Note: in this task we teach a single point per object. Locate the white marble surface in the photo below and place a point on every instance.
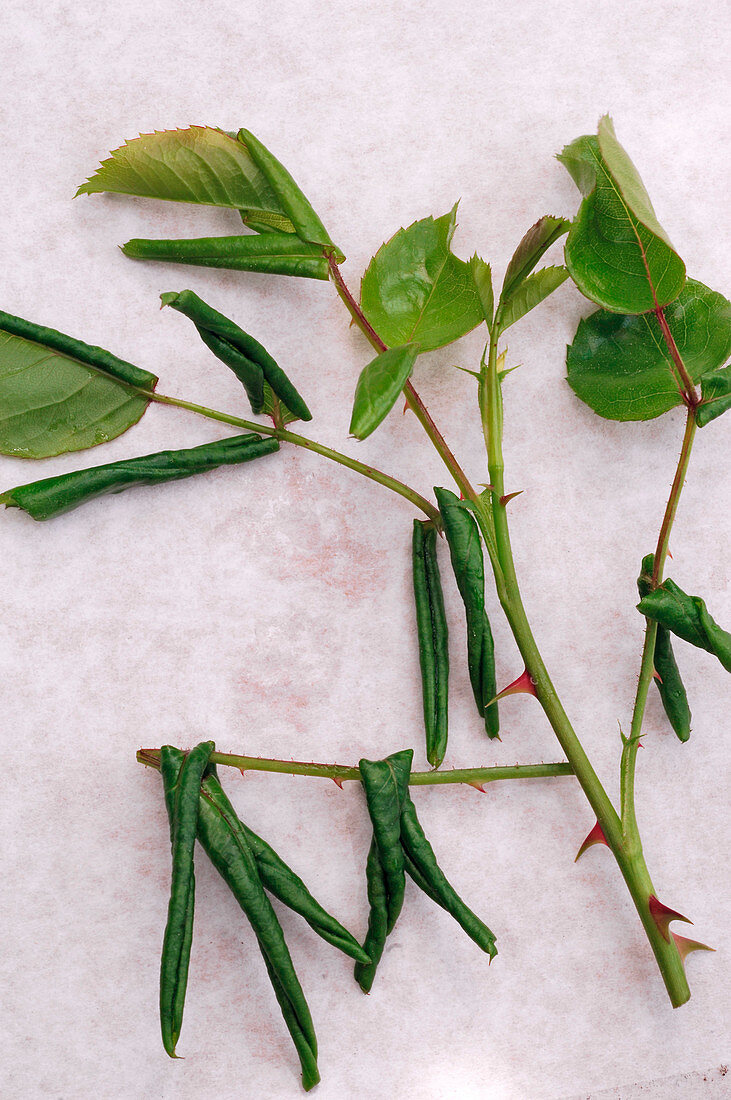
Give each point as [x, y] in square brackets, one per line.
[269, 607]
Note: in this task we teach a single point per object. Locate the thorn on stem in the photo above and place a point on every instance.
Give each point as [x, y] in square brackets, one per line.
[338, 782]
[685, 946]
[243, 773]
[523, 685]
[504, 501]
[478, 786]
[596, 836]
[657, 675]
[662, 916]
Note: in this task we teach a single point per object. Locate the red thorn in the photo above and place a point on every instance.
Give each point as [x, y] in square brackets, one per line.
[672, 559]
[337, 782]
[508, 497]
[478, 786]
[685, 946]
[461, 495]
[243, 773]
[406, 406]
[596, 836]
[662, 916]
[524, 684]
[657, 675]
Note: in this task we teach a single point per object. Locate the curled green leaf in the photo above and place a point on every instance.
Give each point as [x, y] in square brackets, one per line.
[279, 879]
[229, 851]
[297, 207]
[181, 781]
[433, 635]
[620, 366]
[385, 783]
[416, 290]
[617, 252]
[430, 877]
[482, 276]
[246, 357]
[270, 254]
[687, 616]
[54, 495]
[668, 679]
[465, 550]
[379, 385]
[58, 394]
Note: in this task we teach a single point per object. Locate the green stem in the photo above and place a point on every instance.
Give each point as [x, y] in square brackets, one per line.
[632, 865]
[285, 436]
[341, 773]
[647, 666]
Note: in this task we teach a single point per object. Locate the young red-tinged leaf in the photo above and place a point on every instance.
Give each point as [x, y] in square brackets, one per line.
[58, 394]
[539, 238]
[482, 275]
[617, 252]
[416, 290]
[621, 368]
[201, 164]
[379, 385]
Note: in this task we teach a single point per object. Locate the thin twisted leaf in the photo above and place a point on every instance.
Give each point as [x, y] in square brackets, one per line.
[465, 550]
[182, 782]
[297, 207]
[617, 252]
[621, 368]
[58, 394]
[233, 859]
[421, 856]
[688, 617]
[433, 635]
[669, 685]
[416, 290]
[279, 879]
[716, 396]
[54, 495]
[270, 254]
[379, 385]
[530, 293]
[246, 357]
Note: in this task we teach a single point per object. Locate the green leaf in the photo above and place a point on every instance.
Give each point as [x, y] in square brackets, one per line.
[687, 616]
[530, 293]
[416, 290]
[668, 680]
[58, 394]
[201, 165]
[482, 275]
[539, 238]
[715, 395]
[617, 252]
[465, 549]
[433, 637]
[54, 495]
[380, 383]
[297, 207]
[620, 365]
[270, 254]
[247, 358]
[181, 780]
